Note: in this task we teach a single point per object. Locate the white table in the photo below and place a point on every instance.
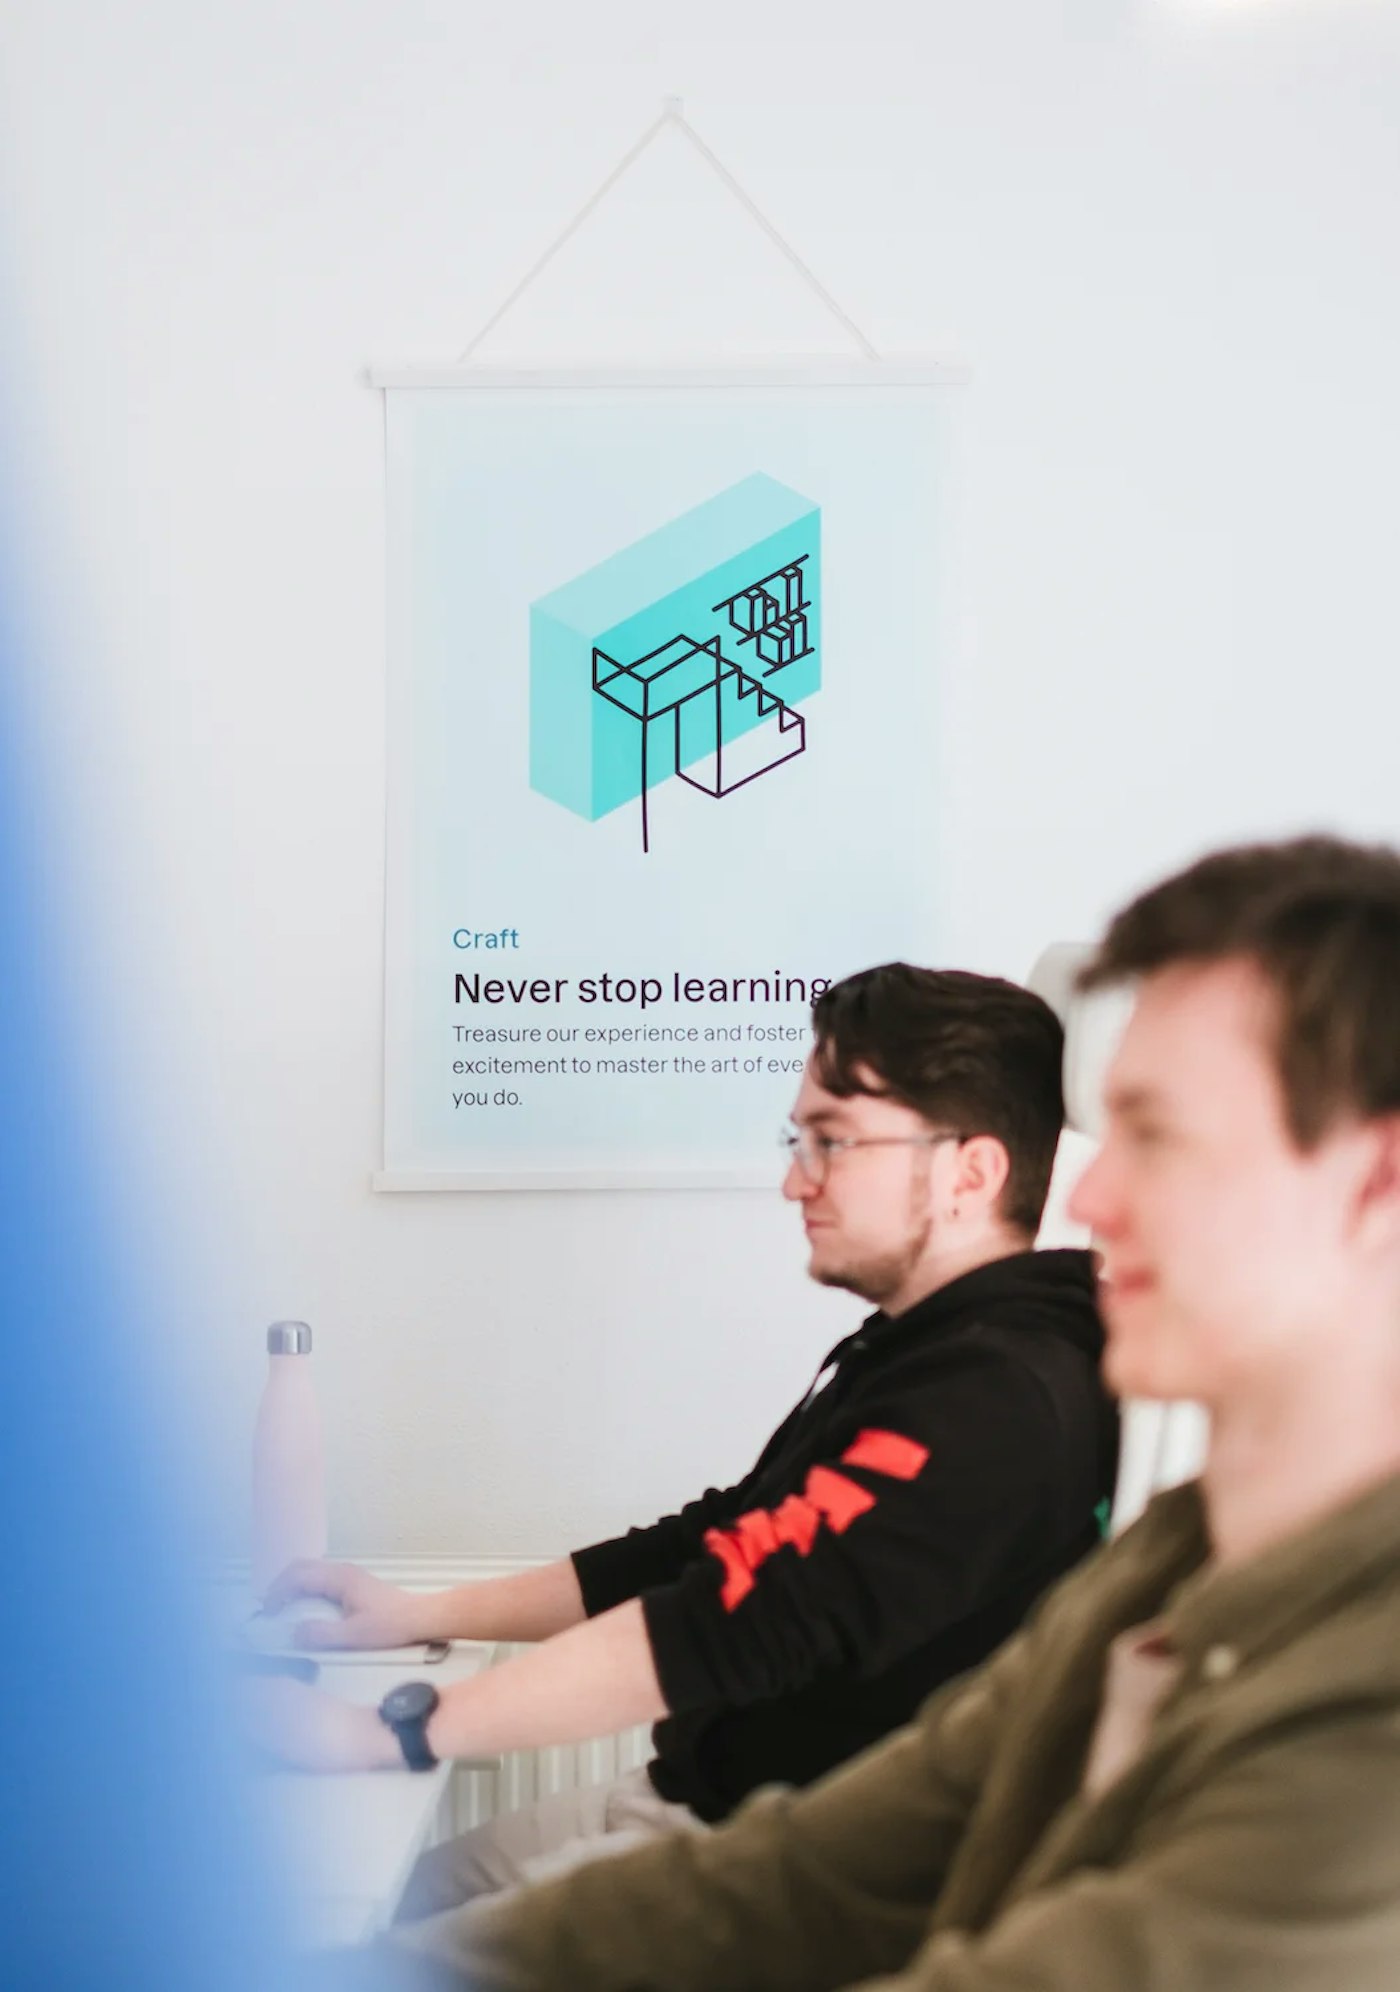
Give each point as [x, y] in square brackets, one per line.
[343, 1846]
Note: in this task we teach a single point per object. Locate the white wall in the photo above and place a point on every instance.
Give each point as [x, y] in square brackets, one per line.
[1163, 233]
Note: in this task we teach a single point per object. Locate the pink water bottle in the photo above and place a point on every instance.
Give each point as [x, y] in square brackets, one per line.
[289, 1473]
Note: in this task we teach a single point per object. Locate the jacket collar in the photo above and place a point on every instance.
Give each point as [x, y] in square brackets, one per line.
[1251, 1608]
[970, 1290]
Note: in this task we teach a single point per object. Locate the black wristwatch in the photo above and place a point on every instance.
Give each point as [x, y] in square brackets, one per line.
[406, 1710]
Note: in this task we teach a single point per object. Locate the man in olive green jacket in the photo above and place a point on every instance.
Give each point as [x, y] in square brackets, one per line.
[1184, 1774]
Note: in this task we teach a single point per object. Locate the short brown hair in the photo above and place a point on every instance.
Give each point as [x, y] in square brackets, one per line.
[965, 1051]
[1320, 917]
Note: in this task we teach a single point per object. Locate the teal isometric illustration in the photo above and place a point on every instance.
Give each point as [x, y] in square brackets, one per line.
[682, 656]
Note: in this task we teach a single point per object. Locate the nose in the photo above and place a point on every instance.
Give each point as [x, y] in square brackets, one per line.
[797, 1184]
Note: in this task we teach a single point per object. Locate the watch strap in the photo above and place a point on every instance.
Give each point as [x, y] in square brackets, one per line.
[412, 1734]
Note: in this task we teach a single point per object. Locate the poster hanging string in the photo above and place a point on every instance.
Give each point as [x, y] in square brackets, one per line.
[673, 114]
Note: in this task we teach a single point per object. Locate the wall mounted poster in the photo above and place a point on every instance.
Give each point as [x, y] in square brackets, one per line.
[663, 665]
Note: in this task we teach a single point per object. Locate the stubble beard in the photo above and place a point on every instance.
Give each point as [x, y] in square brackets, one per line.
[880, 1276]
[872, 1279]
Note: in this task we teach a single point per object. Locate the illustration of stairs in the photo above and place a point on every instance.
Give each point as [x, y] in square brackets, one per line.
[718, 742]
[732, 762]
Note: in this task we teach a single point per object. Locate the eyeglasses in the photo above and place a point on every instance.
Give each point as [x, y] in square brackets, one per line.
[812, 1151]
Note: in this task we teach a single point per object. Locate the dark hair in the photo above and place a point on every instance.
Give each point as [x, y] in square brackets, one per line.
[1320, 918]
[964, 1051]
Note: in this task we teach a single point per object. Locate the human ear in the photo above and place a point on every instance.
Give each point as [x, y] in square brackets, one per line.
[983, 1167]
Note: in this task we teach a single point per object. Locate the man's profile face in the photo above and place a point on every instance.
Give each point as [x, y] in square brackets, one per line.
[872, 1215]
[1225, 1247]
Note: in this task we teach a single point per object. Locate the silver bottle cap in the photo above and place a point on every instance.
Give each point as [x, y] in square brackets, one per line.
[289, 1338]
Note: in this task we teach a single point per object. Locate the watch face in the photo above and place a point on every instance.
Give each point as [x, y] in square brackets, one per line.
[409, 1702]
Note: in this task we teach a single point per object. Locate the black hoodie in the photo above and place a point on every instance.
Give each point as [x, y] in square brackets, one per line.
[896, 1529]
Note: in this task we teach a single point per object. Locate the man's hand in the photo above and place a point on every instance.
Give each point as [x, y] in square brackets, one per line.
[300, 1726]
[375, 1613]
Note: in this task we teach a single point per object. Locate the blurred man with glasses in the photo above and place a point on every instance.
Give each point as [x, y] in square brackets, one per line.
[945, 1466]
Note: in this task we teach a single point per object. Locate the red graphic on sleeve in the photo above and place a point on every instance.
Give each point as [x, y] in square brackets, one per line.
[827, 1496]
[886, 1452]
